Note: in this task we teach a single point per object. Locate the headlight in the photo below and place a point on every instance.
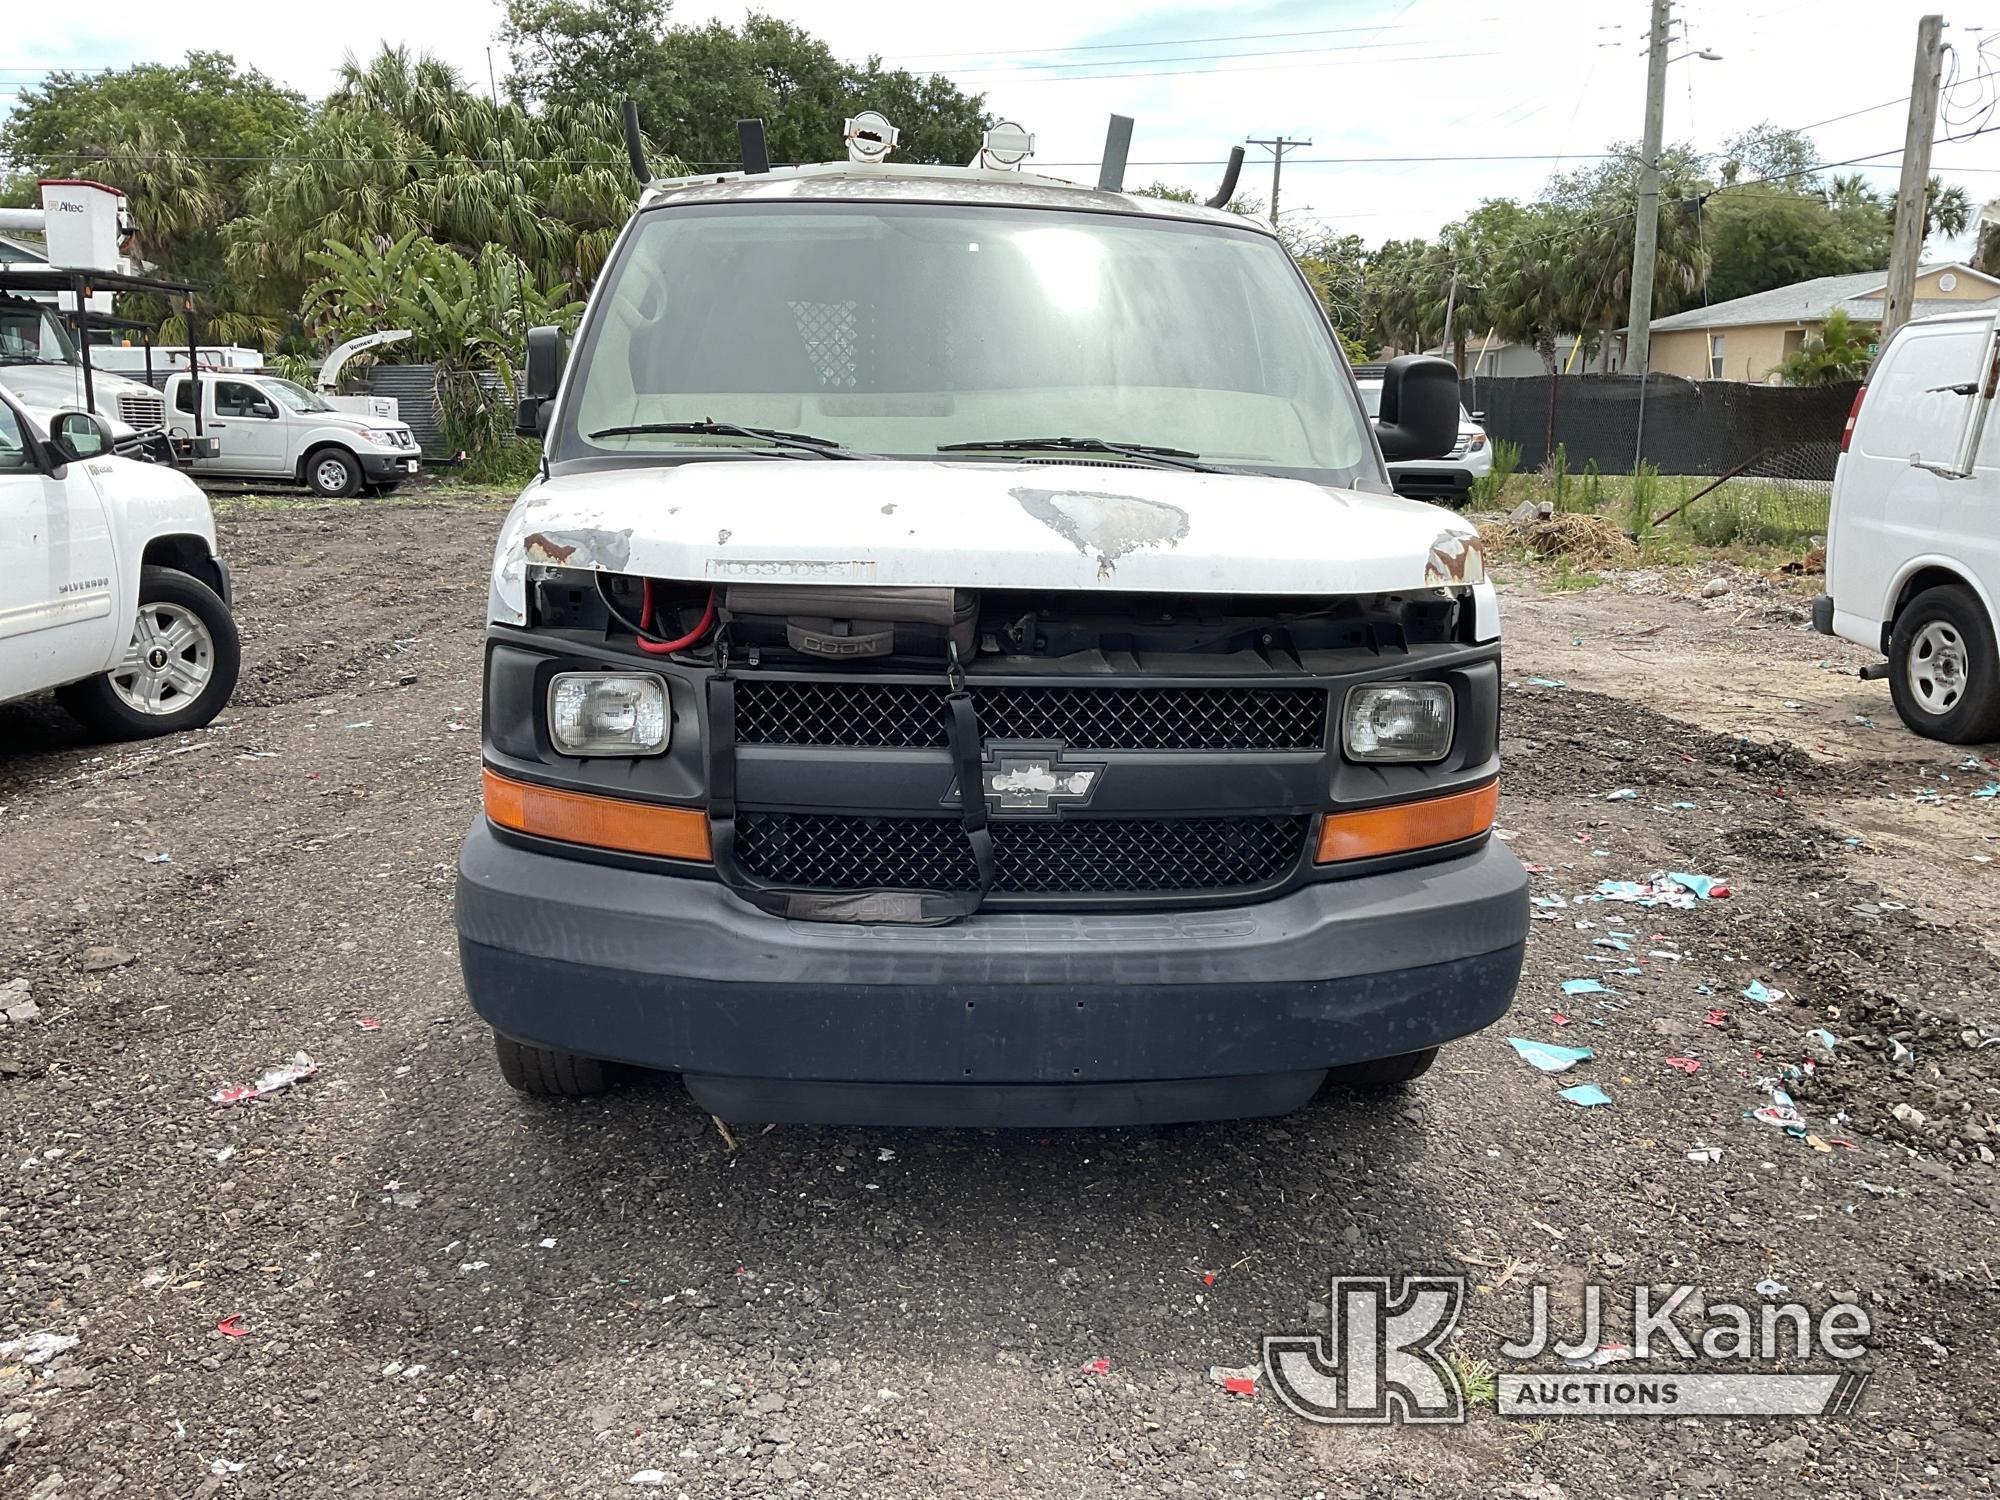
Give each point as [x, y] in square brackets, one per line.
[608, 713]
[1409, 721]
[1478, 441]
[382, 437]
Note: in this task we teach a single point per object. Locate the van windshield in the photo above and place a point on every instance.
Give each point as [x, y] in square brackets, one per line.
[896, 329]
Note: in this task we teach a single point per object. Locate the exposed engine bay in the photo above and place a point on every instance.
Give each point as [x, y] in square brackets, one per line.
[805, 625]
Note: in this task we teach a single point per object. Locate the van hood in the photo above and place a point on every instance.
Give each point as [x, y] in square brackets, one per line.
[1058, 526]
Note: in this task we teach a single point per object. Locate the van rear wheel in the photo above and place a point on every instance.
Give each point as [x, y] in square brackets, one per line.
[1944, 670]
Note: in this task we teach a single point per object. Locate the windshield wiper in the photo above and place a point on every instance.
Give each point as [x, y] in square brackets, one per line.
[1176, 458]
[799, 442]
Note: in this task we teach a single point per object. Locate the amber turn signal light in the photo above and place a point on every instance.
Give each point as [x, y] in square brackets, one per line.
[600, 822]
[1404, 826]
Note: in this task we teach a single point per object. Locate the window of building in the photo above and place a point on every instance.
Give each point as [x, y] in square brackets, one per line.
[1715, 356]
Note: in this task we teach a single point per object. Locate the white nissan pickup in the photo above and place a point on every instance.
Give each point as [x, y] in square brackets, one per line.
[266, 427]
[962, 661]
[111, 590]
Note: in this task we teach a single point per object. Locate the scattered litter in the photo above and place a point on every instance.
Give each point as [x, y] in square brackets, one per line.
[1901, 1056]
[1991, 789]
[1548, 1057]
[885, 1154]
[369, 1023]
[1757, 990]
[1910, 1115]
[1683, 806]
[220, 1153]
[221, 1466]
[362, 724]
[1717, 1018]
[37, 1348]
[1098, 1366]
[1705, 1153]
[549, 1243]
[1663, 888]
[1586, 987]
[1239, 1380]
[300, 1068]
[163, 859]
[1769, 1287]
[1783, 1114]
[1586, 1096]
[1685, 1064]
[232, 1327]
[1611, 942]
[1609, 1354]
[649, 1477]
[1823, 1042]
[1547, 682]
[1623, 794]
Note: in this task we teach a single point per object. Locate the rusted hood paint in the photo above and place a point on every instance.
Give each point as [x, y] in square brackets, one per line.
[985, 526]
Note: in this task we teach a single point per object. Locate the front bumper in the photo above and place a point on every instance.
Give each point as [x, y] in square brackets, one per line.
[390, 468]
[1003, 1018]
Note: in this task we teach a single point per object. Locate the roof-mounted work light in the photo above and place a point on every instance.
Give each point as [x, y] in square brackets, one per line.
[870, 136]
[1005, 146]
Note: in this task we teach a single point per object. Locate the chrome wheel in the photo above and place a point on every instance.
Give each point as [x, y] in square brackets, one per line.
[1937, 666]
[331, 475]
[169, 662]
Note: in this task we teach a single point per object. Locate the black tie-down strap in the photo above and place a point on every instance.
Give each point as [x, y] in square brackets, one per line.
[911, 907]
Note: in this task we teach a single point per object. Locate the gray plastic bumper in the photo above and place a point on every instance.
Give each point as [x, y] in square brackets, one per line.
[678, 974]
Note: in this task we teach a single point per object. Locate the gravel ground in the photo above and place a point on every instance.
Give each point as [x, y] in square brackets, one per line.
[442, 1289]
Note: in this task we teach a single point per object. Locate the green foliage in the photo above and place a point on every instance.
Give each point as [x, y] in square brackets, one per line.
[467, 315]
[187, 142]
[1756, 513]
[1766, 235]
[693, 83]
[1838, 353]
[1643, 499]
[1590, 490]
[1488, 487]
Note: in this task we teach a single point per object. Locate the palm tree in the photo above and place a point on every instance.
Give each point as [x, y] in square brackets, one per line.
[1533, 292]
[1851, 190]
[1947, 210]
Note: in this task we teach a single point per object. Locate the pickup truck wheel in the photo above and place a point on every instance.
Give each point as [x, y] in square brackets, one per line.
[1383, 1072]
[179, 667]
[1944, 672]
[547, 1072]
[333, 473]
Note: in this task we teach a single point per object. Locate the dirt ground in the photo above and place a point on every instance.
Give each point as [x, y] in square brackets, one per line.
[442, 1289]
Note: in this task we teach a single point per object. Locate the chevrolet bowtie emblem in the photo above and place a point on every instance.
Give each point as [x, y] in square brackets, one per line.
[1037, 778]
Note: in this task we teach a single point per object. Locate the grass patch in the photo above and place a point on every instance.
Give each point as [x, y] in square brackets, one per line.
[1476, 1377]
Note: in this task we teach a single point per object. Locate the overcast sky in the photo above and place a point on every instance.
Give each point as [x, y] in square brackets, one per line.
[1555, 81]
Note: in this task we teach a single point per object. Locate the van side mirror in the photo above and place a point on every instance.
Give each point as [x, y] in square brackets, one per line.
[539, 382]
[77, 435]
[1419, 412]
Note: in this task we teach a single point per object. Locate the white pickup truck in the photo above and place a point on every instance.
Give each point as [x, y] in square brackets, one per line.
[111, 591]
[267, 427]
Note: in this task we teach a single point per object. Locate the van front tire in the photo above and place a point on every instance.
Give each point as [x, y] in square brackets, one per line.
[1944, 670]
[547, 1072]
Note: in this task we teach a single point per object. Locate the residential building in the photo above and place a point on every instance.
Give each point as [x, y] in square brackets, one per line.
[1749, 337]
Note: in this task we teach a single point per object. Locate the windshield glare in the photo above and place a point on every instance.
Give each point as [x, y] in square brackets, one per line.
[893, 329]
[31, 333]
[297, 397]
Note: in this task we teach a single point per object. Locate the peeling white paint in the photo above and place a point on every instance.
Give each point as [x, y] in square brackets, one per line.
[968, 525]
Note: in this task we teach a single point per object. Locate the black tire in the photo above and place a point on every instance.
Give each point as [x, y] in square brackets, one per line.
[388, 489]
[546, 1072]
[1944, 672]
[1383, 1072]
[322, 464]
[96, 701]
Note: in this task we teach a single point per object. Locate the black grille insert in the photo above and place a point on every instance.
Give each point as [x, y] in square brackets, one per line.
[824, 851]
[891, 715]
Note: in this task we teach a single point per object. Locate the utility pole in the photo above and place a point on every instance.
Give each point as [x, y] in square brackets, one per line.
[1450, 307]
[1908, 246]
[1277, 146]
[1646, 231]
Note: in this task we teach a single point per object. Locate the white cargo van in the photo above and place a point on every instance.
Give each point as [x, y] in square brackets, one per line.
[1913, 541]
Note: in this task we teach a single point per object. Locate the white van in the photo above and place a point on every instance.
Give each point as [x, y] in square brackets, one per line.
[1913, 541]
